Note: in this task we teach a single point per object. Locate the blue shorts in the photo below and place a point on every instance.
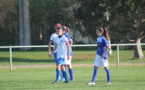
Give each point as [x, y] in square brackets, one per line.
[60, 61]
[55, 56]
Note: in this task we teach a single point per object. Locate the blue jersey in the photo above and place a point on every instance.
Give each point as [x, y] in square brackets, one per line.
[69, 38]
[102, 44]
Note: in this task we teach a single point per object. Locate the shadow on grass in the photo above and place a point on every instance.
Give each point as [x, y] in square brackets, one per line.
[4, 59]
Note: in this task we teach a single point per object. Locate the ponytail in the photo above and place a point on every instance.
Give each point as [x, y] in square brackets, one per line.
[105, 33]
[66, 29]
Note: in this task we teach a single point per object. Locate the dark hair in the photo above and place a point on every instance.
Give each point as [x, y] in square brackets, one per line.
[105, 32]
[58, 28]
[63, 28]
[66, 29]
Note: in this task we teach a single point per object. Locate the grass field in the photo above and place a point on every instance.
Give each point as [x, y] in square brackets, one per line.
[127, 77]
[130, 77]
[79, 57]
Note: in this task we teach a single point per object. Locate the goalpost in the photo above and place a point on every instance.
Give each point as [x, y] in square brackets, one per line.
[78, 45]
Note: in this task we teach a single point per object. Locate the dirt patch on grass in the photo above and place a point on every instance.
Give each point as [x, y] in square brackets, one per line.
[74, 65]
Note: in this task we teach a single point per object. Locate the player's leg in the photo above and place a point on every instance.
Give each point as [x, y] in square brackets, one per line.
[106, 68]
[69, 66]
[95, 73]
[71, 71]
[58, 71]
[64, 74]
[63, 63]
[55, 59]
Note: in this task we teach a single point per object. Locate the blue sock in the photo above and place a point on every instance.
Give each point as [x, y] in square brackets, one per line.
[62, 77]
[95, 74]
[65, 75]
[108, 74]
[58, 72]
[71, 72]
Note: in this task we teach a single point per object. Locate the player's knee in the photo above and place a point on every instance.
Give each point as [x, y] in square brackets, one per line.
[63, 68]
[106, 68]
[96, 67]
[69, 66]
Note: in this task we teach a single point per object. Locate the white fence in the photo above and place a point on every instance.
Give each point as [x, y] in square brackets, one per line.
[80, 45]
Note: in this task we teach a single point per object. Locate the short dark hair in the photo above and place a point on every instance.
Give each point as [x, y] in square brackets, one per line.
[58, 28]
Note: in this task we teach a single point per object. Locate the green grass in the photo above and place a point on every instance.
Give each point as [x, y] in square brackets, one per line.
[79, 57]
[125, 78]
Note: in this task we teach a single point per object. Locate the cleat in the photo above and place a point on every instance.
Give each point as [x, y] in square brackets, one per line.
[66, 82]
[90, 83]
[71, 79]
[108, 83]
[62, 79]
[56, 82]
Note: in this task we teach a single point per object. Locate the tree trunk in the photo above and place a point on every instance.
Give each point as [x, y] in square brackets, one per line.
[25, 35]
[21, 23]
[138, 50]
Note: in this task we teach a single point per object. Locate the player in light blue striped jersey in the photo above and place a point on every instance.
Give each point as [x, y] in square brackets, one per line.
[61, 46]
[101, 55]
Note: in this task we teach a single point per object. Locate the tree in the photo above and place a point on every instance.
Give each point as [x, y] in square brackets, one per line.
[90, 15]
[25, 36]
[8, 22]
[126, 19]
[44, 14]
[128, 16]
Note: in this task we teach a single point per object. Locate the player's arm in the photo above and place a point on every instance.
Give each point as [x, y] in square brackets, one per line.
[68, 50]
[55, 46]
[70, 42]
[49, 47]
[107, 48]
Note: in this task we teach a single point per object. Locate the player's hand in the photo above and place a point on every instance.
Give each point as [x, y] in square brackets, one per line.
[102, 56]
[49, 54]
[68, 57]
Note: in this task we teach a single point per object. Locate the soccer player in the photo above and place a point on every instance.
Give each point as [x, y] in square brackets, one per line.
[53, 36]
[101, 55]
[61, 46]
[68, 62]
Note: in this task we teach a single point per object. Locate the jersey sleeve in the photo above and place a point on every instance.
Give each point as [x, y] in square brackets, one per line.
[66, 40]
[52, 38]
[105, 42]
[68, 37]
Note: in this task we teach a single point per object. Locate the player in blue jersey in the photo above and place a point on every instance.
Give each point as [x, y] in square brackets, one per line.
[68, 62]
[61, 47]
[101, 55]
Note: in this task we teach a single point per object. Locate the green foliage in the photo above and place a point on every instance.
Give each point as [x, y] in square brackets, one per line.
[8, 21]
[126, 18]
[89, 15]
[44, 15]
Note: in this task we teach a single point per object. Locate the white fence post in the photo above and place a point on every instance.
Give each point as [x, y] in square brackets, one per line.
[118, 56]
[10, 58]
